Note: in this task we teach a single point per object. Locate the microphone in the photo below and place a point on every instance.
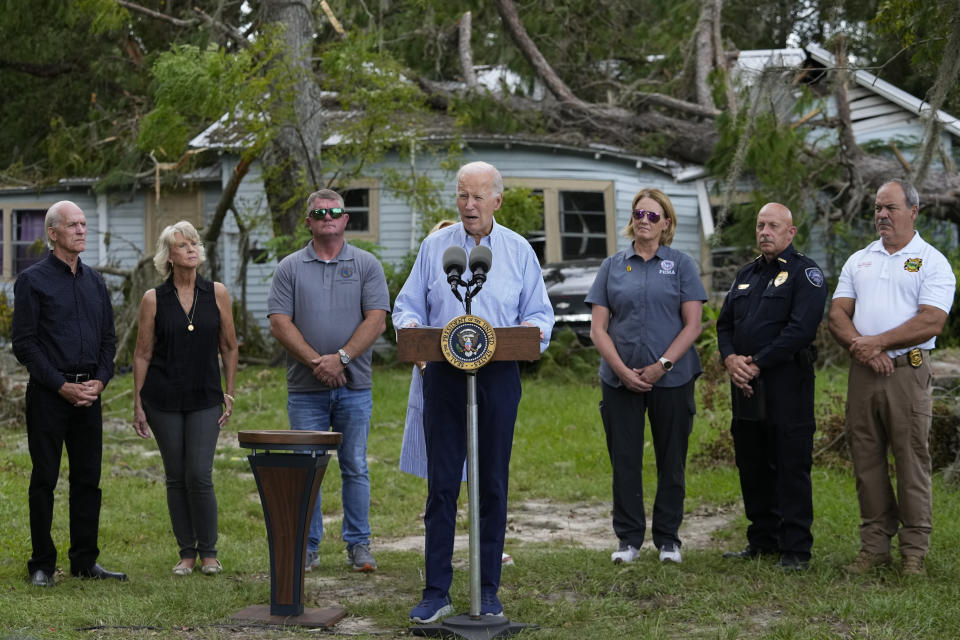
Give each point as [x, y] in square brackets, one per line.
[454, 264]
[480, 260]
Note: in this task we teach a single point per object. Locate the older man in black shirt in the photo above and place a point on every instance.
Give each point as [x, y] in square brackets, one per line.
[63, 333]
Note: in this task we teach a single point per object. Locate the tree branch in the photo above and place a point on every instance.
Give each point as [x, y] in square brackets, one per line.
[225, 29]
[514, 27]
[156, 14]
[48, 70]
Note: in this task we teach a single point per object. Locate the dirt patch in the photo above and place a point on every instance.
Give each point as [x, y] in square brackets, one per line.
[581, 525]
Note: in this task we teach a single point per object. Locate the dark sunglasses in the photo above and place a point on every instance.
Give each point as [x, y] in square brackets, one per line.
[318, 214]
[652, 216]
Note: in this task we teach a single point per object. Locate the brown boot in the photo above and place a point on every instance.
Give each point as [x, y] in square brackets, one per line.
[866, 561]
[912, 565]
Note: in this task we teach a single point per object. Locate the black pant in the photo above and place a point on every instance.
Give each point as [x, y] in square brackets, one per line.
[671, 411]
[774, 459]
[51, 423]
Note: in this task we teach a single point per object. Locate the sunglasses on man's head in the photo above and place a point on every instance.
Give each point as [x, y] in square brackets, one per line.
[319, 214]
[652, 216]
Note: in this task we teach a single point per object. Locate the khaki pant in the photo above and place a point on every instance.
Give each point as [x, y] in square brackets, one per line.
[892, 412]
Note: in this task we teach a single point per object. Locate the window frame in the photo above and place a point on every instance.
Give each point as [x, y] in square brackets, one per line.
[6, 213]
[372, 234]
[551, 188]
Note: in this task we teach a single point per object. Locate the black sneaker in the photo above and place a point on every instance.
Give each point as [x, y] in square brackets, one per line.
[790, 563]
[748, 553]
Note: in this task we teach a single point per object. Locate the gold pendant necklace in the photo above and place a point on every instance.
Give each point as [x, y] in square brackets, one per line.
[193, 309]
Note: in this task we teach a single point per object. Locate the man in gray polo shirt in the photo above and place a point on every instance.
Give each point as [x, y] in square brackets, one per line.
[328, 303]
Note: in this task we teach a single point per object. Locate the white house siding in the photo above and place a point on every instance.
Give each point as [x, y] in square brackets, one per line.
[396, 220]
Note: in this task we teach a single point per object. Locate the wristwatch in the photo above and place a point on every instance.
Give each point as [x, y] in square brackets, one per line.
[667, 365]
[344, 358]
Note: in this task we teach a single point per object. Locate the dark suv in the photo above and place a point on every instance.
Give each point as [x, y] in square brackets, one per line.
[567, 285]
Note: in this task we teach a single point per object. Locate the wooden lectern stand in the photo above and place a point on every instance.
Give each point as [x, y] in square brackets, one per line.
[289, 467]
[420, 344]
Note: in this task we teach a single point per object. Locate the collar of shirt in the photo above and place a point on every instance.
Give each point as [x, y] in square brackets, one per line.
[310, 254]
[60, 264]
[513, 293]
[910, 247]
[662, 252]
[781, 261]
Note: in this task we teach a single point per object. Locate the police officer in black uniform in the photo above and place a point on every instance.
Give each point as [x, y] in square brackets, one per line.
[765, 333]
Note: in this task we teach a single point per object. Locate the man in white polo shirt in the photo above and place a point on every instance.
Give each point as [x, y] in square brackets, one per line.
[891, 302]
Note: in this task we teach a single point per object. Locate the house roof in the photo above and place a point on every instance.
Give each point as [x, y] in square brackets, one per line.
[750, 64]
[890, 92]
[216, 136]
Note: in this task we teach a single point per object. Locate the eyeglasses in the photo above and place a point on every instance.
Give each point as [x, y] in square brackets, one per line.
[319, 214]
[652, 216]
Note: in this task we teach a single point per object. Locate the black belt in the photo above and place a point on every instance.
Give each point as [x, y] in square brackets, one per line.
[75, 377]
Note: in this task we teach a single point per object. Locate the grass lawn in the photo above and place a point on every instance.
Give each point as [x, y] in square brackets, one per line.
[570, 590]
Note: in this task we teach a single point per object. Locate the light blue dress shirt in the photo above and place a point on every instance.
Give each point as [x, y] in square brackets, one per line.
[513, 293]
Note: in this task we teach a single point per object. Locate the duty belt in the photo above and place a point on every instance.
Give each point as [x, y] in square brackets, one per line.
[914, 358]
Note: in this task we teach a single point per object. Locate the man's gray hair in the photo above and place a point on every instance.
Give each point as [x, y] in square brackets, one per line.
[52, 219]
[482, 167]
[323, 194]
[909, 191]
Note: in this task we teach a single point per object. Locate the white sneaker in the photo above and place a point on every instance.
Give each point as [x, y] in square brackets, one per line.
[626, 553]
[670, 553]
[506, 559]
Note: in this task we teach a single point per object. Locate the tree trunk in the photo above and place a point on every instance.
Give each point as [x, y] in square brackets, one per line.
[705, 55]
[291, 162]
[212, 235]
[466, 53]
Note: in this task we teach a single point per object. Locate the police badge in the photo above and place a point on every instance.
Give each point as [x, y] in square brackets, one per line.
[780, 279]
[916, 357]
[468, 342]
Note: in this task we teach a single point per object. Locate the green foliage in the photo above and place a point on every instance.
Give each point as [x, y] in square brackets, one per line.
[382, 109]
[164, 132]
[482, 111]
[777, 157]
[193, 86]
[6, 317]
[521, 210]
[566, 360]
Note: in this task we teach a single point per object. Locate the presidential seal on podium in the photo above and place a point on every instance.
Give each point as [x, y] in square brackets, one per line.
[468, 342]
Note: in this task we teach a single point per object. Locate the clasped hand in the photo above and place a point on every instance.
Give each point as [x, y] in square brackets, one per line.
[868, 350]
[81, 394]
[329, 370]
[741, 370]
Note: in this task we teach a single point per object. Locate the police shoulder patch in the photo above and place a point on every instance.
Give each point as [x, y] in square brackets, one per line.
[815, 276]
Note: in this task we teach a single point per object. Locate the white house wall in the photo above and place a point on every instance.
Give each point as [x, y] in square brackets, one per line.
[397, 232]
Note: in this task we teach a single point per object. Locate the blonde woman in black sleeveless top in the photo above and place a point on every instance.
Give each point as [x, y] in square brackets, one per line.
[184, 323]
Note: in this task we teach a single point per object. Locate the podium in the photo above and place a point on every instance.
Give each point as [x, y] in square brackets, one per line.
[426, 344]
[289, 467]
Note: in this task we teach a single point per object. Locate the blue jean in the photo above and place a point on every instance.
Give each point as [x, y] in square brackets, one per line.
[346, 411]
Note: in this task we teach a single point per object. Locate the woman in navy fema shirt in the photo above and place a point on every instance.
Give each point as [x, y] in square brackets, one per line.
[647, 302]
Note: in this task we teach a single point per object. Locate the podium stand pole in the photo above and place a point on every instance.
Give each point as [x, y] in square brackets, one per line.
[473, 493]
